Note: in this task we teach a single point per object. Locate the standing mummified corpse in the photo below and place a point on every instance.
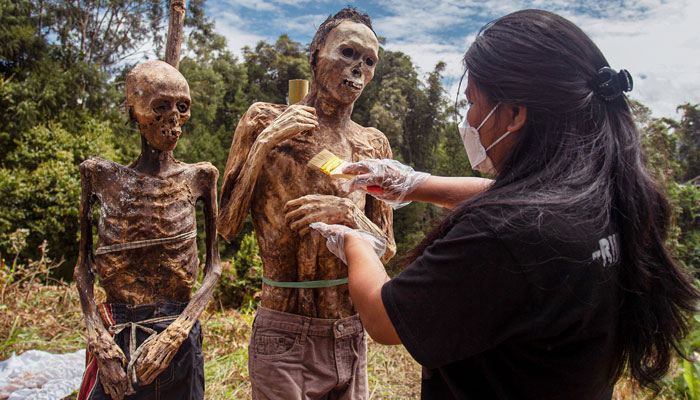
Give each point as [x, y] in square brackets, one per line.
[145, 340]
[307, 340]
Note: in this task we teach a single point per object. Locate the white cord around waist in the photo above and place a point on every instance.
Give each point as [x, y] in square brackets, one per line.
[134, 351]
[145, 243]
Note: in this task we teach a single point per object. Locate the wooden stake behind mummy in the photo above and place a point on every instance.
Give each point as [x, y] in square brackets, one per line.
[175, 28]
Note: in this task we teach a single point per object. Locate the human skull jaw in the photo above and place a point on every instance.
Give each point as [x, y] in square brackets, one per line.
[158, 99]
[345, 64]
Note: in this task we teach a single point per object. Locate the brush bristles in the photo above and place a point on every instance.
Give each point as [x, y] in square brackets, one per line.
[321, 158]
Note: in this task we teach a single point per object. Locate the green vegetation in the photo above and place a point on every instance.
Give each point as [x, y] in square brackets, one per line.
[40, 313]
[241, 277]
[61, 101]
[62, 94]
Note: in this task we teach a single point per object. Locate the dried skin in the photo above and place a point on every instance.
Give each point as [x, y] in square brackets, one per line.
[111, 363]
[267, 168]
[292, 256]
[136, 206]
[159, 352]
[152, 198]
[158, 99]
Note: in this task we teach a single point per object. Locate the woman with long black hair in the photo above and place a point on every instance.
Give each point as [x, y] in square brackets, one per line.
[552, 279]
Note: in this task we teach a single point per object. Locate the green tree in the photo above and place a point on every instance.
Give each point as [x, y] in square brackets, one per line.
[40, 186]
[660, 138]
[39, 81]
[104, 32]
[688, 132]
[684, 238]
[217, 86]
[424, 124]
[659, 145]
[270, 67]
[451, 155]
[395, 82]
[241, 277]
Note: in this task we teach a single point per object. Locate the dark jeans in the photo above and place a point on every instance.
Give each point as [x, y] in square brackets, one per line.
[182, 379]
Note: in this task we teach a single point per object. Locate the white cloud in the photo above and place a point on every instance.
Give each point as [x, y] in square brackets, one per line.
[661, 50]
[656, 40]
[305, 25]
[257, 5]
[298, 3]
[233, 27]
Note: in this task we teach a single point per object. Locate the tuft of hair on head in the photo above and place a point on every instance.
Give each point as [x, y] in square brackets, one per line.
[348, 13]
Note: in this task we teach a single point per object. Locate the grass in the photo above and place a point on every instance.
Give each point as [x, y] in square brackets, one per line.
[392, 372]
[43, 317]
[48, 317]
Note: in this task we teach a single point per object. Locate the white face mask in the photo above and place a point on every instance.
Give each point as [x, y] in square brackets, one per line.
[476, 152]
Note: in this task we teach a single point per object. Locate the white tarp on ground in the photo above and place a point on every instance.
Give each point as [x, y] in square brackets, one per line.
[38, 375]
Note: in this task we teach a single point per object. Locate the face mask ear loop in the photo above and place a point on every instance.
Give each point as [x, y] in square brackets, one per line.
[488, 116]
[498, 140]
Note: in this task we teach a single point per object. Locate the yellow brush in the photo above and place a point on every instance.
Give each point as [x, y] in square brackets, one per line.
[332, 165]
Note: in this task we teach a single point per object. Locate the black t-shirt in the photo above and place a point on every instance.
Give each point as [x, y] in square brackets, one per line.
[491, 314]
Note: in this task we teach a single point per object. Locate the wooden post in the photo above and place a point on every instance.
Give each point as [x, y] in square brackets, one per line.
[177, 20]
[298, 88]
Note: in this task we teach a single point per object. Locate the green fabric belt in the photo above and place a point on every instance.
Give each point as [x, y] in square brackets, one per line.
[307, 284]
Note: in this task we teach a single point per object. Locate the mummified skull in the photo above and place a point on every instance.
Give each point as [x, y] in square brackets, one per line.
[158, 99]
[345, 63]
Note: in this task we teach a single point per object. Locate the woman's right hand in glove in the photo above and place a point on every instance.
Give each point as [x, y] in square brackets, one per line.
[394, 179]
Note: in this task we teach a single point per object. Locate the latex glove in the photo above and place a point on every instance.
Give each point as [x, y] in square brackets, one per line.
[395, 179]
[335, 239]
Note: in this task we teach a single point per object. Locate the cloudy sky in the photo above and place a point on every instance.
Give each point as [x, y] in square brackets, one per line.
[658, 41]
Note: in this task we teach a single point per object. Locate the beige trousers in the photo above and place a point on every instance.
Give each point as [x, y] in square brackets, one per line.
[295, 357]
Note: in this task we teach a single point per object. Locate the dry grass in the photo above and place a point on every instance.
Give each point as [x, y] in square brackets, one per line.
[392, 372]
[226, 354]
[35, 316]
[44, 317]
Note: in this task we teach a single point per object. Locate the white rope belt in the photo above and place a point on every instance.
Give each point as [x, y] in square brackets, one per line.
[134, 351]
[145, 243]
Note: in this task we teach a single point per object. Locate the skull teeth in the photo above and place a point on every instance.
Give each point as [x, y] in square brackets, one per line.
[172, 132]
[352, 84]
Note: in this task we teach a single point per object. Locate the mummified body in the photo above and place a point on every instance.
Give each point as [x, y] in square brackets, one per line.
[307, 342]
[146, 247]
[267, 172]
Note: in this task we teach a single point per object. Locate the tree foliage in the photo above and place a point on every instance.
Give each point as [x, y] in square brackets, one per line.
[669, 160]
[688, 131]
[62, 69]
[103, 32]
[40, 185]
[270, 67]
[241, 277]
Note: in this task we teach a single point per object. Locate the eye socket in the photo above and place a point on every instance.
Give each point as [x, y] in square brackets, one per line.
[182, 107]
[369, 62]
[348, 52]
[160, 109]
